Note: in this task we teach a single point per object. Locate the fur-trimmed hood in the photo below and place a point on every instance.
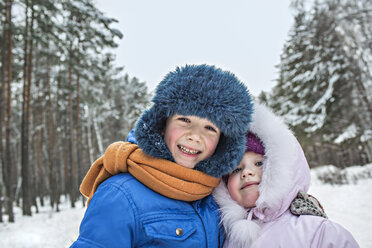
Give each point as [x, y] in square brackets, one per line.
[285, 173]
[207, 92]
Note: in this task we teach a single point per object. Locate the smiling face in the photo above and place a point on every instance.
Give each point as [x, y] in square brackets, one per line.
[190, 139]
[244, 180]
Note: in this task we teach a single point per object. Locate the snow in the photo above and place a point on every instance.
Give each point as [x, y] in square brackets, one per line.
[366, 136]
[45, 229]
[350, 132]
[349, 205]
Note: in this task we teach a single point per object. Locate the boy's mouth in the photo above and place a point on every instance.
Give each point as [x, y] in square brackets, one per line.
[188, 150]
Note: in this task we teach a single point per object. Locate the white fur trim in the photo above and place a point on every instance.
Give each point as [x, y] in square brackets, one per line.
[279, 165]
[278, 186]
[240, 231]
[243, 233]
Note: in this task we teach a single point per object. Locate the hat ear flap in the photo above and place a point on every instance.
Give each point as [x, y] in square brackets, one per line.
[228, 154]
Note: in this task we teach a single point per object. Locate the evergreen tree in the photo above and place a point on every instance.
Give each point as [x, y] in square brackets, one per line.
[322, 91]
[63, 99]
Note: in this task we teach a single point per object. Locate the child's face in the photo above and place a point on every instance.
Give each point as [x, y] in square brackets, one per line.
[244, 180]
[190, 139]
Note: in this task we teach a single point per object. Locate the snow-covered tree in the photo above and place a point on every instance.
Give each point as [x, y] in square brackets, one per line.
[324, 87]
[60, 91]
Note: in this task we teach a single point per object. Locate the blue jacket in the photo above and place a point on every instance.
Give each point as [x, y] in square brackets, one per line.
[125, 213]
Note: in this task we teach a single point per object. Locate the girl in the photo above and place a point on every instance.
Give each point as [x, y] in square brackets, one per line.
[255, 198]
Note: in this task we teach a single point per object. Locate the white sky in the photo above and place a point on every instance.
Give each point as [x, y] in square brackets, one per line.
[243, 36]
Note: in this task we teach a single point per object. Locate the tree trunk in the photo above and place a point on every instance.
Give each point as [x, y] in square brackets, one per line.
[58, 150]
[70, 172]
[8, 171]
[40, 173]
[66, 184]
[27, 70]
[368, 150]
[78, 132]
[98, 134]
[363, 95]
[51, 138]
[89, 137]
[2, 124]
[1, 204]
[316, 154]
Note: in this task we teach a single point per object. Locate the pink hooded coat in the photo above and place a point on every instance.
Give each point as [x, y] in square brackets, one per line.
[285, 173]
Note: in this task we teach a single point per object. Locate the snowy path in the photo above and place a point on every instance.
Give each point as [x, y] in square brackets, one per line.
[348, 205]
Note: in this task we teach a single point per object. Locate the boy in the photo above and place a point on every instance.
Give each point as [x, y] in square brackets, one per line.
[193, 134]
[255, 199]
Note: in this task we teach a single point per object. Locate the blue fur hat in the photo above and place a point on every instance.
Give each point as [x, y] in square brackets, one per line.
[207, 92]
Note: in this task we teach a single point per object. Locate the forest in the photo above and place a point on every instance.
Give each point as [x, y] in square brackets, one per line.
[324, 89]
[63, 99]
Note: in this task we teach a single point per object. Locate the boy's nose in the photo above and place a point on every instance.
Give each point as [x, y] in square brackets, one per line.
[193, 136]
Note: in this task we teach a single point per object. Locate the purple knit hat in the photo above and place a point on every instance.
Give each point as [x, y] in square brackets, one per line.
[254, 144]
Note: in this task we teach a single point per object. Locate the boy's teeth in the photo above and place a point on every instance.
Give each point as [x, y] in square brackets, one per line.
[186, 150]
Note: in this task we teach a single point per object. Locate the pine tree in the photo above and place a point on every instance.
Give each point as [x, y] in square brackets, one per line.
[62, 98]
[322, 91]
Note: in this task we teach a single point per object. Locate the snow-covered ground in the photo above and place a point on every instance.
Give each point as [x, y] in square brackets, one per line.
[45, 229]
[349, 205]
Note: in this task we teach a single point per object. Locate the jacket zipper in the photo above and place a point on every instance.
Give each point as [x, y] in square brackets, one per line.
[205, 231]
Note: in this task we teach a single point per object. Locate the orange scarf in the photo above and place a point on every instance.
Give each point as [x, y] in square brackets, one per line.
[162, 176]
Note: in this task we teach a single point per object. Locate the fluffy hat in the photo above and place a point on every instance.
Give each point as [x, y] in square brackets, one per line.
[254, 144]
[207, 92]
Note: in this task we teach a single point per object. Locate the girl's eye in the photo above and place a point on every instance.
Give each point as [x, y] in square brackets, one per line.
[236, 171]
[260, 163]
[210, 128]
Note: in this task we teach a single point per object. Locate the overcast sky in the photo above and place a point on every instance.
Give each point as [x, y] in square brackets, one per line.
[245, 37]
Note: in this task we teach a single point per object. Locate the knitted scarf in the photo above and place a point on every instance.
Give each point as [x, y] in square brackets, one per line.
[160, 175]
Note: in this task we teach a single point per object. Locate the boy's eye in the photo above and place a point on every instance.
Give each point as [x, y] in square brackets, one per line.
[210, 128]
[184, 119]
[259, 164]
[236, 171]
